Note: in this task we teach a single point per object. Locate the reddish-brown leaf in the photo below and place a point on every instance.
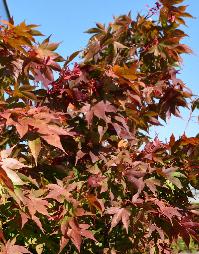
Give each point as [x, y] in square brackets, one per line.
[119, 214]
[11, 248]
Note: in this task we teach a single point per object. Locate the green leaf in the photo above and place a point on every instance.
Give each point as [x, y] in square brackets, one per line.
[53, 46]
[72, 56]
[36, 33]
[29, 95]
[93, 30]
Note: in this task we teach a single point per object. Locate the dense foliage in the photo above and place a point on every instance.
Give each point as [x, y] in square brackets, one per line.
[78, 171]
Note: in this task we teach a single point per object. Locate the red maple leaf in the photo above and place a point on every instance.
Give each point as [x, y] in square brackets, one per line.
[11, 248]
[119, 214]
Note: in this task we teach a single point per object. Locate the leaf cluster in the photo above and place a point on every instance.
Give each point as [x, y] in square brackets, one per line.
[78, 171]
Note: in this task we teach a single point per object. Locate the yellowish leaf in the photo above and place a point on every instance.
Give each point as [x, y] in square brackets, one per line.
[35, 147]
[125, 72]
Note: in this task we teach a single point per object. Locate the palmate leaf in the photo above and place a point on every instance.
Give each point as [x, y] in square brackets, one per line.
[8, 169]
[34, 206]
[75, 232]
[125, 72]
[119, 214]
[99, 110]
[95, 203]
[10, 247]
[40, 121]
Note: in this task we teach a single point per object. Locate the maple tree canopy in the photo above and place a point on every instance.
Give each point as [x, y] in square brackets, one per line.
[78, 170]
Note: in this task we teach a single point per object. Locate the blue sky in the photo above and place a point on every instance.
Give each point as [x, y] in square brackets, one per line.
[67, 20]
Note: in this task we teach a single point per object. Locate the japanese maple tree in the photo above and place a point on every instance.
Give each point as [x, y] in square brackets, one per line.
[78, 171]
